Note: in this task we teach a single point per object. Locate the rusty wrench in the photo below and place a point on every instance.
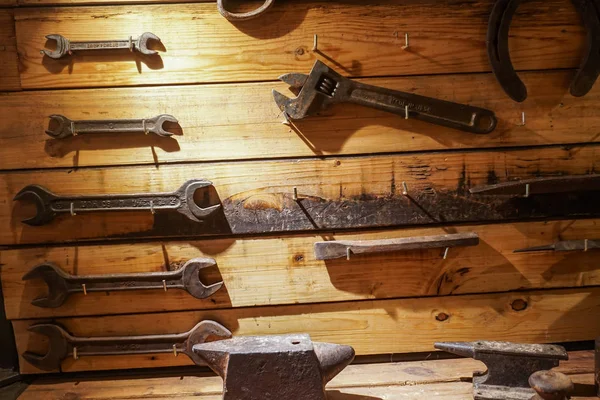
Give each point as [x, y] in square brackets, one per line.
[49, 205]
[61, 285]
[323, 87]
[61, 344]
[231, 16]
[64, 46]
[64, 126]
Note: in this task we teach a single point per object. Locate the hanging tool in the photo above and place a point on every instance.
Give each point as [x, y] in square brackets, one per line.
[499, 56]
[324, 87]
[49, 205]
[564, 245]
[509, 366]
[342, 248]
[61, 344]
[551, 385]
[231, 16]
[554, 184]
[61, 127]
[61, 285]
[274, 367]
[64, 46]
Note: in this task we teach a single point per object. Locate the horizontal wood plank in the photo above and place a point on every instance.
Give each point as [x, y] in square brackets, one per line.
[284, 271]
[9, 62]
[230, 122]
[446, 37]
[416, 379]
[258, 196]
[371, 327]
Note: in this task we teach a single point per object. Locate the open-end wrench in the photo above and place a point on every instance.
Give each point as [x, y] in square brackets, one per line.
[65, 46]
[49, 205]
[61, 344]
[323, 87]
[60, 126]
[61, 285]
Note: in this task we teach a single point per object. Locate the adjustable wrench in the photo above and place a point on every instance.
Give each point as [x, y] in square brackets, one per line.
[65, 46]
[48, 204]
[61, 344]
[66, 127]
[61, 285]
[323, 87]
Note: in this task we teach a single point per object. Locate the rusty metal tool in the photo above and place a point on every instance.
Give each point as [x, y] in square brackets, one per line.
[61, 127]
[61, 285]
[509, 366]
[343, 248]
[564, 245]
[243, 16]
[551, 385]
[499, 56]
[274, 367]
[61, 344]
[182, 200]
[555, 184]
[324, 87]
[64, 46]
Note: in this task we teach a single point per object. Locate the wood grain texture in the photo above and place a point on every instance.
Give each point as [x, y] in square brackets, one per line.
[9, 62]
[371, 327]
[257, 196]
[416, 379]
[446, 37]
[241, 121]
[260, 272]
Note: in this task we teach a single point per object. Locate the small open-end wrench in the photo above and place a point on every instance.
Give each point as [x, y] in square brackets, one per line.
[61, 285]
[323, 87]
[64, 46]
[60, 126]
[49, 205]
[61, 344]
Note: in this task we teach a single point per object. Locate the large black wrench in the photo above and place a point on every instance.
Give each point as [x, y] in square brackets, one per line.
[61, 344]
[61, 285]
[498, 52]
[182, 200]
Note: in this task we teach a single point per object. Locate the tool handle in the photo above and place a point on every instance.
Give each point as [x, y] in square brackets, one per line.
[122, 345]
[103, 45]
[133, 202]
[109, 126]
[124, 282]
[435, 111]
[338, 249]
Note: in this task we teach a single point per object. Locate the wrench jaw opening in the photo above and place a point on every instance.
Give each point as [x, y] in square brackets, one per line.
[58, 347]
[42, 198]
[62, 46]
[159, 122]
[203, 332]
[189, 208]
[192, 282]
[56, 281]
[59, 127]
[321, 88]
[142, 43]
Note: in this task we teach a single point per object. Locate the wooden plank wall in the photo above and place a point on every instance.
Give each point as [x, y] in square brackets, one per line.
[348, 165]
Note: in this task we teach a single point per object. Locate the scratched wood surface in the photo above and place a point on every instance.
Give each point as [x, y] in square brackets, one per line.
[284, 270]
[241, 121]
[447, 379]
[257, 196]
[447, 37]
[9, 66]
[371, 327]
